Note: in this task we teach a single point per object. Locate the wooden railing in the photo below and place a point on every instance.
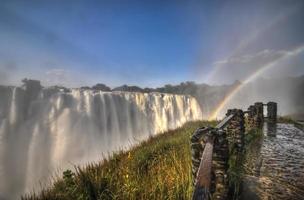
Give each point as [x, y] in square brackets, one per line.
[203, 179]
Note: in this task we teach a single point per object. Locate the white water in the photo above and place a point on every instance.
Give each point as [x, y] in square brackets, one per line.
[55, 130]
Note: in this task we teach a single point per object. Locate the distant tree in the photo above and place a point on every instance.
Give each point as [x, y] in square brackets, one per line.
[32, 90]
[127, 88]
[168, 86]
[30, 84]
[102, 87]
[85, 88]
[148, 90]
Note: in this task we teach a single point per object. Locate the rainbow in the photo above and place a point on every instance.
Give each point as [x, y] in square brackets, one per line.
[252, 77]
[249, 39]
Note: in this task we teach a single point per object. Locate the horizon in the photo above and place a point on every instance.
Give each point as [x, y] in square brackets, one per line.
[161, 86]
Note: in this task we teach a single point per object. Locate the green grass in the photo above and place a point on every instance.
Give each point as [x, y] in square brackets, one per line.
[252, 135]
[285, 119]
[159, 168]
[289, 120]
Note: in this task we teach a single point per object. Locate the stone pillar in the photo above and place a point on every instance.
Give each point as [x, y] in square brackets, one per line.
[251, 117]
[272, 111]
[259, 118]
[220, 166]
[236, 129]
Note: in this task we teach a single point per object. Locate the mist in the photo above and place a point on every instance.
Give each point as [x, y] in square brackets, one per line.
[286, 91]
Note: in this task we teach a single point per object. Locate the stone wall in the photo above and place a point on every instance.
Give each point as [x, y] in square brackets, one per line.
[227, 142]
[220, 166]
[255, 115]
[236, 129]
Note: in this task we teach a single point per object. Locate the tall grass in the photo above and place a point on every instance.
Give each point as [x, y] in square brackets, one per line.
[159, 168]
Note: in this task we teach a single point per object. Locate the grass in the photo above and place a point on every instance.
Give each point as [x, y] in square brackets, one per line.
[252, 135]
[285, 119]
[159, 168]
[289, 120]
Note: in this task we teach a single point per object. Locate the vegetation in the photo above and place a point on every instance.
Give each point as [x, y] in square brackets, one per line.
[101, 87]
[286, 120]
[289, 120]
[159, 168]
[252, 135]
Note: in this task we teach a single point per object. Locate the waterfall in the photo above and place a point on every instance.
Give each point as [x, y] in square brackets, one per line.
[51, 131]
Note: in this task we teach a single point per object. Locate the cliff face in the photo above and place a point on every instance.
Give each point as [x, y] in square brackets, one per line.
[41, 132]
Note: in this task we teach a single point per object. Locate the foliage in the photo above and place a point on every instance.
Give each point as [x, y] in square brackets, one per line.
[102, 87]
[31, 84]
[252, 135]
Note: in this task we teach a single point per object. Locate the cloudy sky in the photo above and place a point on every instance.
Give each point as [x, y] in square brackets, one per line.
[149, 42]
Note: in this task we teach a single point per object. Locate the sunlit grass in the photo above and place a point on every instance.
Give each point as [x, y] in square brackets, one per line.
[159, 168]
[289, 120]
[285, 119]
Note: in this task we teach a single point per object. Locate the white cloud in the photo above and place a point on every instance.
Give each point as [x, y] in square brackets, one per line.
[265, 54]
[240, 67]
[57, 77]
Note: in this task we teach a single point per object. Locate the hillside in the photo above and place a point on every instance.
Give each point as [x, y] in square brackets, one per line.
[159, 168]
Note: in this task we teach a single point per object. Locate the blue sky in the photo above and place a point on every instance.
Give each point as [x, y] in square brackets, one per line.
[146, 43]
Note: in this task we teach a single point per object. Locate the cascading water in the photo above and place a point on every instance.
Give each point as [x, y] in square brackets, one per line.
[47, 130]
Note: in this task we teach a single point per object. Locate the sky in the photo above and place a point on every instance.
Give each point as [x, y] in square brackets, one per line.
[149, 43]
